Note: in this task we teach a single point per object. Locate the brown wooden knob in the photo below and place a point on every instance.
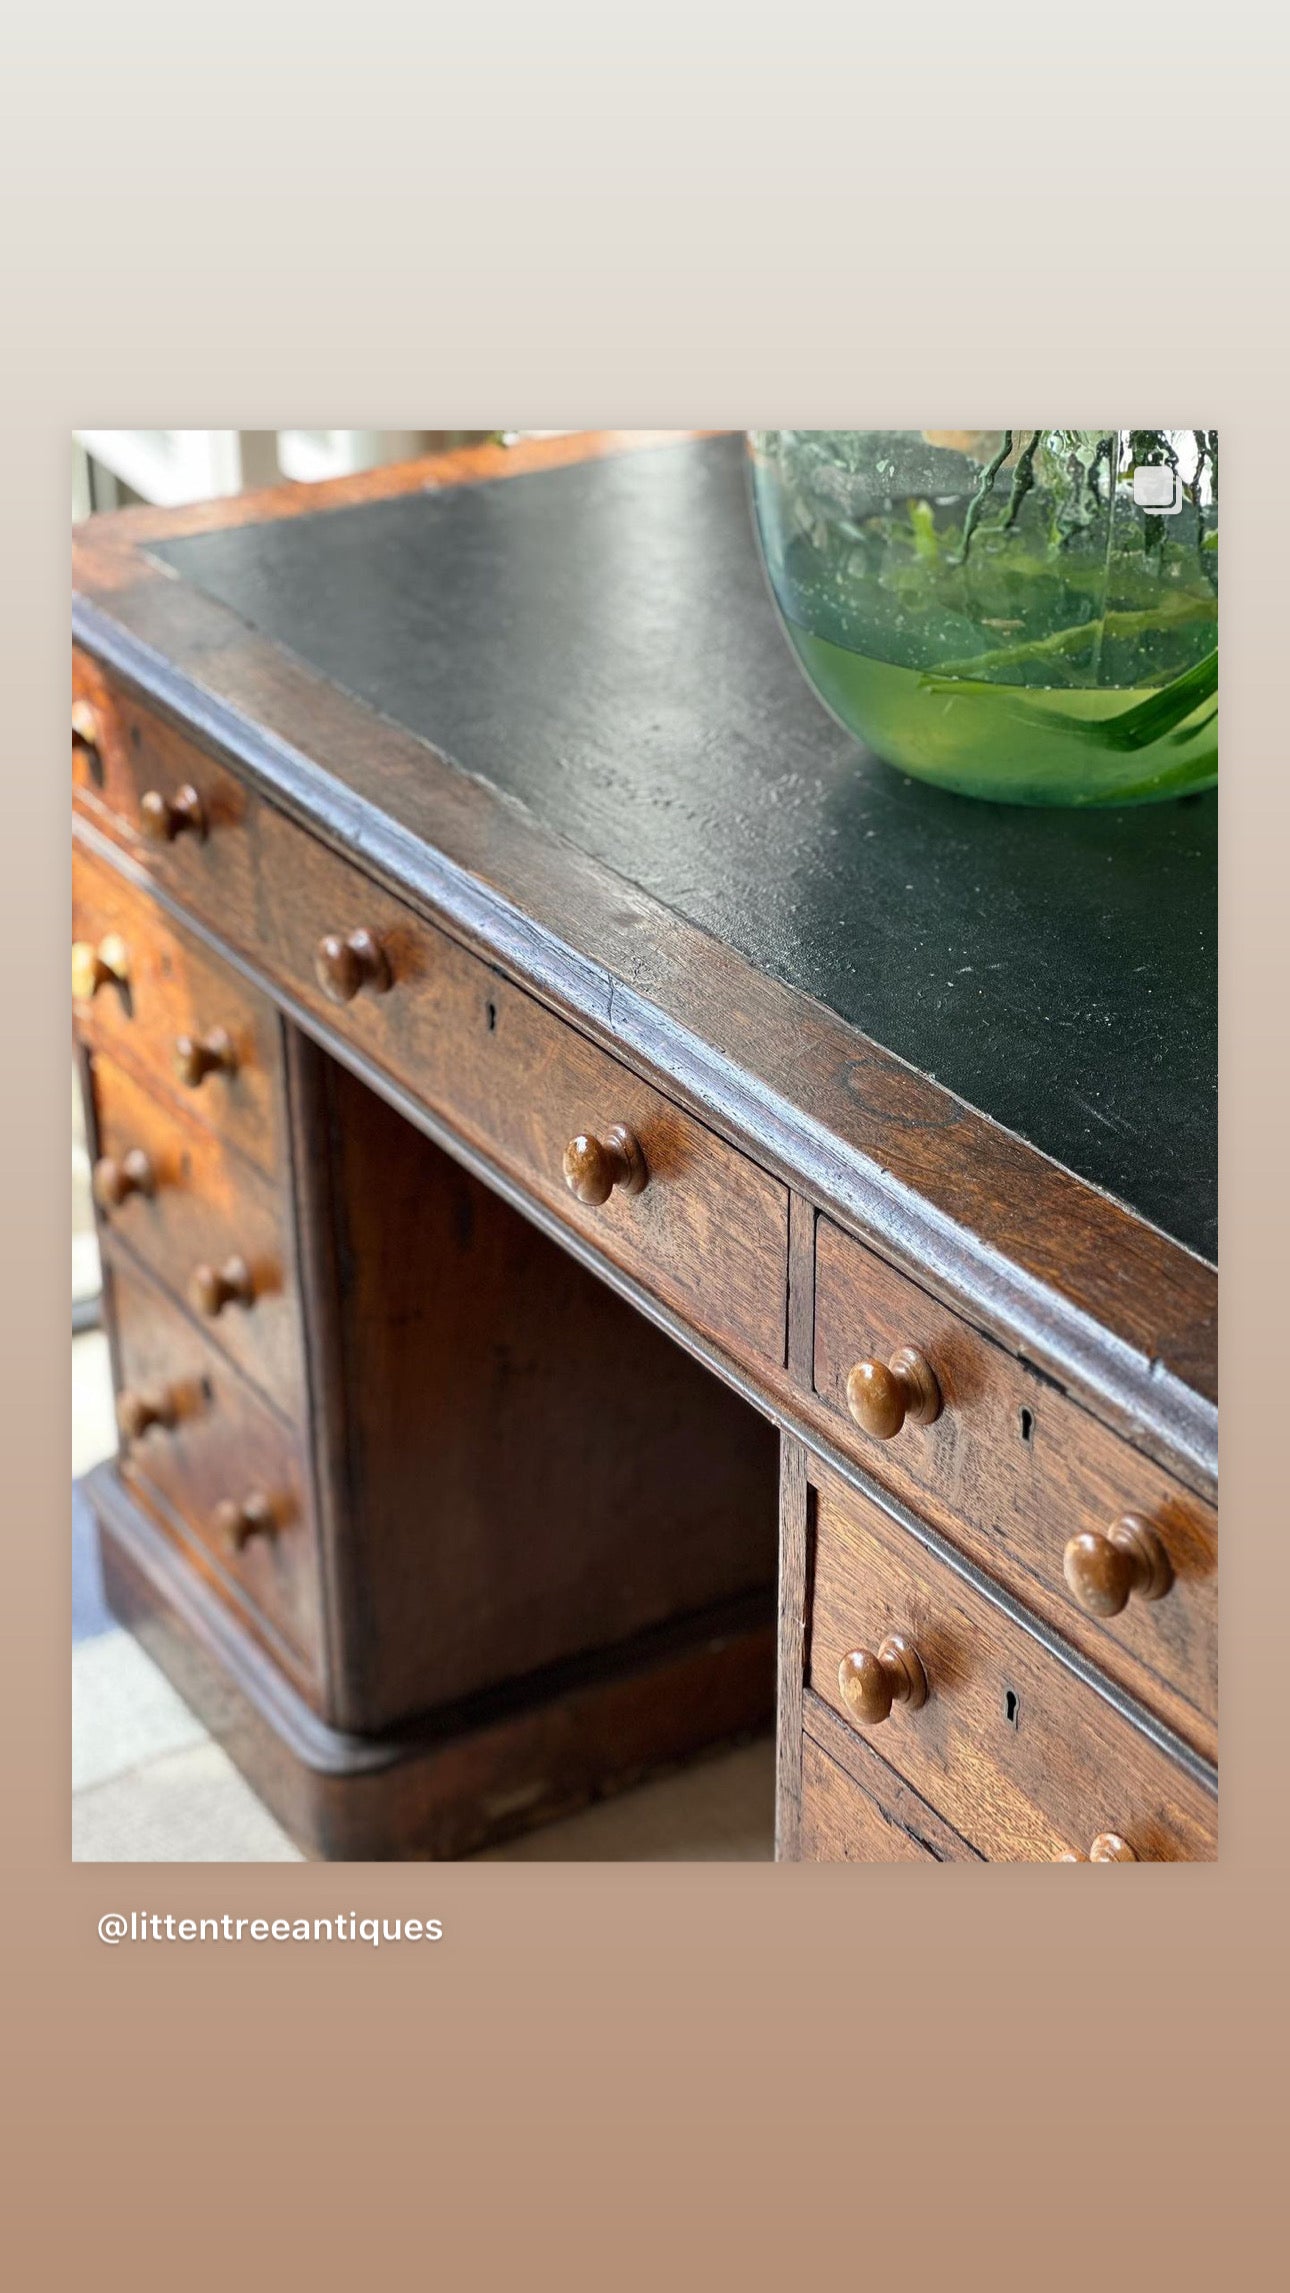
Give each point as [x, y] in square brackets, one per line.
[344, 962]
[1103, 1570]
[93, 967]
[165, 817]
[882, 1395]
[117, 1178]
[871, 1684]
[238, 1522]
[211, 1288]
[594, 1167]
[1108, 1847]
[197, 1056]
[150, 1405]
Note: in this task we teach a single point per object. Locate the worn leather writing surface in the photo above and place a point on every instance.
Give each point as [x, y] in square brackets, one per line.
[598, 641]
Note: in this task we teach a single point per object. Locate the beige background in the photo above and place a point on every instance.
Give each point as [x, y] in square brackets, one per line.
[612, 2076]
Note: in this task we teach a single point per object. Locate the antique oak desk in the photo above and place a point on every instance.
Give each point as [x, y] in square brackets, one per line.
[621, 1214]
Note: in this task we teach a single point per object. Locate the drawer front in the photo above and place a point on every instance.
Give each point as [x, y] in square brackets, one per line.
[855, 1809]
[150, 787]
[709, 1231]
[202, 1220]
[1024, 1760]
[223, 1449]
[103, 784]
[182, 1016]
[1012, 1471]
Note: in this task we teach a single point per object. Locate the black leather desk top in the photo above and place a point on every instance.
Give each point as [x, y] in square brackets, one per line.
[598, 641]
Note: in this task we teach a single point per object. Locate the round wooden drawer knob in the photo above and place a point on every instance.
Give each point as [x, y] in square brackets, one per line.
[881, 1396]
[197, 1056]
[214, 1287]
[150, 1405]
[116, 1179]
[1102, 1571]
[165, 817]
[1108, 1847]
[93, 967]
[594, 1167]
[871, 1684]
[238, 1522]
[344, 962]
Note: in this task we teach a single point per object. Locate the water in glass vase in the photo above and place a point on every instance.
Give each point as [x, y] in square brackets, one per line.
[1048, 745]
[994, 611]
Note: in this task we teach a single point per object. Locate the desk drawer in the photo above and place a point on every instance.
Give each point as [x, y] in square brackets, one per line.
[206, 1225]
[181, 1015]
[1013, 1472]
[227, 1467]
[151, 788]
[709, 1230]
[1024, 1760]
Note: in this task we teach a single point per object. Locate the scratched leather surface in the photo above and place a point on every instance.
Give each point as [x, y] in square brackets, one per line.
[599, 642]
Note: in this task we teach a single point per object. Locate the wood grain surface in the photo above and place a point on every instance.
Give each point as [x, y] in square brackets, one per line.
[138, 753]
[514, 1466]
[710, 1230]
[207, 1207]
[856, 1809]
[796, 1503]
[177, 987]
[1012, 1469]
[1019, 1755]
[224, 1445]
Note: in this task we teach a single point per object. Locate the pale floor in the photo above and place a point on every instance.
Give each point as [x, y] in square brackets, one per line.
[149, 1785]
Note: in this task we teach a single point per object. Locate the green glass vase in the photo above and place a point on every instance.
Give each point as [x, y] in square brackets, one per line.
[1025, 615]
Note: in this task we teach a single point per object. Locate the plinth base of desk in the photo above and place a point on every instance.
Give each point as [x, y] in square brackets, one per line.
[458, 1780]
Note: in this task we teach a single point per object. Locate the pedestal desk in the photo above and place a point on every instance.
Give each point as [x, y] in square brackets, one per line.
[622, 1215]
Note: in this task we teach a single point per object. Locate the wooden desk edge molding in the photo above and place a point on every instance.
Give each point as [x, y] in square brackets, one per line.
[491, 996]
